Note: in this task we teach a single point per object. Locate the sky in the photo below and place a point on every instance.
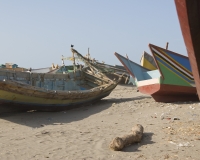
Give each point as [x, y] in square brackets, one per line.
[37, 33]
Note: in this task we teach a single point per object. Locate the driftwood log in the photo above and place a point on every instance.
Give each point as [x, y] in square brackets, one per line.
[135, 136]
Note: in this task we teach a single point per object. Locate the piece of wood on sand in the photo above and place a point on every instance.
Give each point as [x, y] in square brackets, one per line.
[135, 136]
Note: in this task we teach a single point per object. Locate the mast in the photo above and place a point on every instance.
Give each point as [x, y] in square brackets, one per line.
[167, 45]
[74, 63]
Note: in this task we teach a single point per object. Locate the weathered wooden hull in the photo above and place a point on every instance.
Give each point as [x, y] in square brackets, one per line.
[189, 17]
[25, 98]
[147, 61]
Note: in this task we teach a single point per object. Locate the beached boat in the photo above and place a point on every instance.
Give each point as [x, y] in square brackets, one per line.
[147, 61]
[114, 72]
[172, 81]
[49, 92]
[189, 18]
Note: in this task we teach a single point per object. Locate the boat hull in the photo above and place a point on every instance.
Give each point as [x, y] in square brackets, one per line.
[24, 97]
[188, 12]
[7, 105]
[169, 93]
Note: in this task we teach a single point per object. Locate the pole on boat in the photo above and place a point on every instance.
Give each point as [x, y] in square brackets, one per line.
[74, 64]
[88, 55]
[167, 45]
[62, 60]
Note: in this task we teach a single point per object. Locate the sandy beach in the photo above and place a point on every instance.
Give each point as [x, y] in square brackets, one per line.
[171, 130]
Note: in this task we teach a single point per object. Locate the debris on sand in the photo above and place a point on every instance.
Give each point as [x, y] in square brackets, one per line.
[135, 136]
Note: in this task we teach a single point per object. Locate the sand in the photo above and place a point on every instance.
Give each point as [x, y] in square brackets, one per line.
[171, 130]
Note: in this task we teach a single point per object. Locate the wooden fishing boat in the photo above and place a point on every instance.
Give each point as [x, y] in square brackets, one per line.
[50, 92]
[171, 82]
[147, 61]
[112, 72]
[188, 12]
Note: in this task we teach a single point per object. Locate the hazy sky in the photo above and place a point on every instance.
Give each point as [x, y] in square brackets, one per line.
[36, 33]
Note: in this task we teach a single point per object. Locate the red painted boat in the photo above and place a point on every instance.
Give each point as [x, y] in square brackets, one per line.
[188, 12]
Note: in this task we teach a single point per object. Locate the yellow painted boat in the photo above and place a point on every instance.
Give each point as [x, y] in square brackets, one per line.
[147, 61]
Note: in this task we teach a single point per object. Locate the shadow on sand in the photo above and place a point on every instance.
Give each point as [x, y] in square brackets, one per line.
[38, 119]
